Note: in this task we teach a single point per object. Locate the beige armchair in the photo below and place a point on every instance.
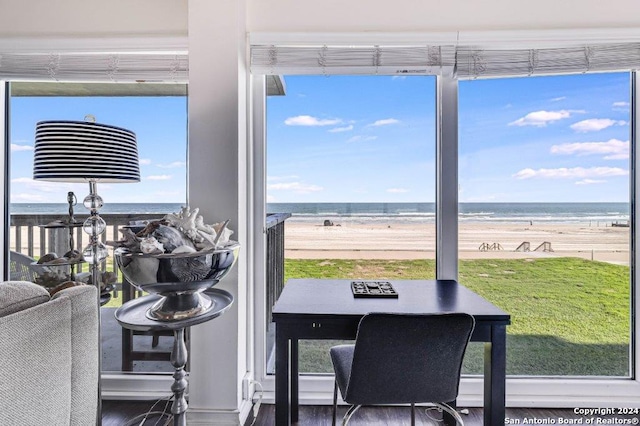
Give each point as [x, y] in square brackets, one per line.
[48, 355]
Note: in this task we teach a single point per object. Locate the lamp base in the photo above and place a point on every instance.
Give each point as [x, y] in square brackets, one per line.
[177, 307]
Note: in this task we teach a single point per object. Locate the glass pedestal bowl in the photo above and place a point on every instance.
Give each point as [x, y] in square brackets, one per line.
[180, 279]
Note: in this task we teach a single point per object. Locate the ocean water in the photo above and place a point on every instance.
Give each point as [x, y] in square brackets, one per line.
[386, 212]
[468, 212]
[59, 208]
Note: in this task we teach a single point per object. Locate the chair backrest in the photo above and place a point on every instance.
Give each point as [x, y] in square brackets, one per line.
[22, 268]
[408, 358]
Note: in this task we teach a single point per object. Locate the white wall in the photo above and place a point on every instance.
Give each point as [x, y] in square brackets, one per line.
[169, 17]
[432, 16]
[35, 18]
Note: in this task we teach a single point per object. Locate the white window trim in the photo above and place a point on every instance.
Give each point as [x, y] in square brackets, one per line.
[521, 392]
[4, 178]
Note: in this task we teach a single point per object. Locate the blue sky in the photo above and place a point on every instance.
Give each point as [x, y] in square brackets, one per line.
[372, 139]
[561, 138]
[160, 124]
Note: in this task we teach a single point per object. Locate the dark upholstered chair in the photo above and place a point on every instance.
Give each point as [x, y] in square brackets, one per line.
[402, 359]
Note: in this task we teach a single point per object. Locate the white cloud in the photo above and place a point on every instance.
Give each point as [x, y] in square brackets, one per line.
[144, 161]
[542, 118]
[297, 187]
[559, 98]
[590, 181]
[158, 177]
[280, 178]
[613, 149]
[16, 148]
[173, 165]
[22, 180]
[397, 190]
[271, 199]
[596, 124]
[571, 173]
[384, 122]
[621, 104]
[399, 77]
[360, 138]
[307, 120]
[167, 193]
[27, 198]
[41, 185]
[341, 129]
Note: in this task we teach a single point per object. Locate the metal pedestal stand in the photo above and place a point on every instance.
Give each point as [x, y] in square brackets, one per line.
[133, 315]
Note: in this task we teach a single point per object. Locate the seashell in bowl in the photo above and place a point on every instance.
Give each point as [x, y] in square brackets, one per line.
[47, 258]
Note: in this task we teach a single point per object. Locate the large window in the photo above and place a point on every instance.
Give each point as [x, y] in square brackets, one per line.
[352, 159]
[158, 116]
[544, 218]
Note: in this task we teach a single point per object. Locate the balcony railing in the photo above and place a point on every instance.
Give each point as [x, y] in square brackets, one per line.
[275, 259]
[31, 237]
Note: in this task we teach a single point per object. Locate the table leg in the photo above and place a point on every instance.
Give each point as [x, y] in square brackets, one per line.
[179, 360]
[282, 378]
[295, 376]
[494, 376]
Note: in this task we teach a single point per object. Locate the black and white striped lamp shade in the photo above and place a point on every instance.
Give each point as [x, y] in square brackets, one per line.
[80, 151]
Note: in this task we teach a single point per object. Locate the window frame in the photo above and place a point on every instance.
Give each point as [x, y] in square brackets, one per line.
[114, 385]
[521, 391]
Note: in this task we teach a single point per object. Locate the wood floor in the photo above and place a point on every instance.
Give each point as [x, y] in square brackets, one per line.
[120, 413]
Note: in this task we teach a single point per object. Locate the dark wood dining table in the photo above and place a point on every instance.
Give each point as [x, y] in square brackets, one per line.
[326, 309]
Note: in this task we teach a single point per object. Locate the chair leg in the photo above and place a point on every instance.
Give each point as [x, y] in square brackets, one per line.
[450, 410]
[350, 412]
[413, 414]
[335, 403]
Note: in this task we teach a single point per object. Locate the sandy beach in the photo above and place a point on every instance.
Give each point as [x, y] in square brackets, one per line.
[417, 241]
[353, 240]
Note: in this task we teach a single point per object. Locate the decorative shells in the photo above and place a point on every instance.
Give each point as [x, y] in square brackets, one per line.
[192, 225]
[47, 258]
[171, 238]
[182, 232]
[129, 241]
[72, 256]
[150, 245]
[184, 249]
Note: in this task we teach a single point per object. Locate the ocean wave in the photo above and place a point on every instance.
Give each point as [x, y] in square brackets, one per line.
[463, 218]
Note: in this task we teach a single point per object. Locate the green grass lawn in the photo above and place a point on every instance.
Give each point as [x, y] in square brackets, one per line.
[569, 316]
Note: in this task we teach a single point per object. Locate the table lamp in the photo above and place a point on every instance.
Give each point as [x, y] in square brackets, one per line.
[82, 151]
[85, 151]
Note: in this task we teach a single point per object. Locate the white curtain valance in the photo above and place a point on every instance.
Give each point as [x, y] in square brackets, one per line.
[466, 62]
[482, 63]
[95, 67]
[463, 61]
[352, 59]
